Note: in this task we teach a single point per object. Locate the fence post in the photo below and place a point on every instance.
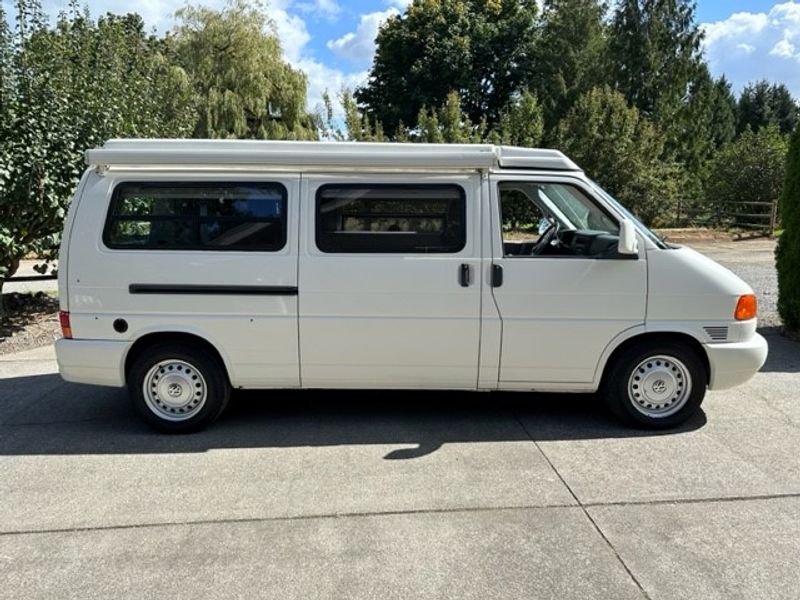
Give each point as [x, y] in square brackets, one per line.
[773, 218]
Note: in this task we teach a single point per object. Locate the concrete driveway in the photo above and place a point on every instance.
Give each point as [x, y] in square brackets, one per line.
[310, 495]
[396, 495]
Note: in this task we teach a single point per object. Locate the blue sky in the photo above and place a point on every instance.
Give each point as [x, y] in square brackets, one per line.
[333, 40]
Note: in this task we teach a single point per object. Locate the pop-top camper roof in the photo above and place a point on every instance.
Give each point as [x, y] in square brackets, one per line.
[249, 153]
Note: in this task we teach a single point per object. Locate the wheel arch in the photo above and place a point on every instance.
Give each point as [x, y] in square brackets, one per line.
[638, 335]
[148, 340]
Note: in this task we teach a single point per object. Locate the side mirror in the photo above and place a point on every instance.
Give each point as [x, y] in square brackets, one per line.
[628, 242]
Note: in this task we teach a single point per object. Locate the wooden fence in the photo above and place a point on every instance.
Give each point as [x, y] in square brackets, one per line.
[755, 217]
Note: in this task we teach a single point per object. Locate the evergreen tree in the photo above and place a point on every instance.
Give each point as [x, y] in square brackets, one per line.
[569, 55]
[448, 124]
[723, 113]
[788, 252]
[521, 123]
[762, 104]
[654, 54]
[622, 150]
[244, 87]
[705, 122]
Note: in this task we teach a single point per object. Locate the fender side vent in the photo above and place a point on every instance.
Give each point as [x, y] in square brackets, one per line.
[717, 334]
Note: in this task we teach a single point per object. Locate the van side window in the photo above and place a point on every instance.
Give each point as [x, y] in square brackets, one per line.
[197, 216]
[391, 218]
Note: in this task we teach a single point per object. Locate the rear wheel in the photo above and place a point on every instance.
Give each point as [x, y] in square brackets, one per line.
[177, 388]
[656, 385]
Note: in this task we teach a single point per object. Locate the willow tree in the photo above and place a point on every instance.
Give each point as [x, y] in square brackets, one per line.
[244, 88]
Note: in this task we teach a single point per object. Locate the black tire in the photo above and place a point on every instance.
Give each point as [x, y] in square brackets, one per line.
[682, 363]
[192, 367]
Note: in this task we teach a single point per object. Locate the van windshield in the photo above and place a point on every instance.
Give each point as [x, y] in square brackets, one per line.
[629, 215]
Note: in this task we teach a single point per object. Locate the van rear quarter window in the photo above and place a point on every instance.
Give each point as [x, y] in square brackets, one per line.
[197, 216]
[390, 218]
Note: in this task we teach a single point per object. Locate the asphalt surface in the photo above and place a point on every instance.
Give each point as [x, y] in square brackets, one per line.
[395, 495]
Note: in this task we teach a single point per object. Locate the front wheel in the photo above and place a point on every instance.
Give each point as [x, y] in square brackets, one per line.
[656, 385]
[177, 388]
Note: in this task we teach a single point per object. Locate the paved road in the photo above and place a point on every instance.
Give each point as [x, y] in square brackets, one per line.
[393, 495]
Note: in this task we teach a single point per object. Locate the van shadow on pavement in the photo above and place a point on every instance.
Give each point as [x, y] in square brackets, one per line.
[73, 419]
[41, 414]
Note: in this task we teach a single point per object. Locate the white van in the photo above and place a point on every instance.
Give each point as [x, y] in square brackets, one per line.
[189, 268]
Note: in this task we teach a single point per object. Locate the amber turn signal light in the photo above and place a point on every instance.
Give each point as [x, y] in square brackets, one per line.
[66, 328]
[746, 308]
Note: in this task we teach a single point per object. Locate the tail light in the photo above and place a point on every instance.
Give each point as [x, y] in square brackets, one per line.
[66, 328]
[746, 308]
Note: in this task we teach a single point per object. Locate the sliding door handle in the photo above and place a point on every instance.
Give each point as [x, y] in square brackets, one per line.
[497, 276]
[464, 275]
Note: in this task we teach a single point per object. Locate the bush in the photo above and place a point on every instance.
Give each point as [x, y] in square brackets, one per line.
[788, 252]
[746, 176]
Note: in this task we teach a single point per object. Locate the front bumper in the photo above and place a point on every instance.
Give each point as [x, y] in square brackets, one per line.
[734, 364]
[92, 361]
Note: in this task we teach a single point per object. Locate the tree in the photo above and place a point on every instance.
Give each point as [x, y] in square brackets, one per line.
[762, 104]
[569, 55]
[521, 123]
[481, 49]
[448, 124]
[749, 170]
[704, 122]
[622, 150]
[654, 53]
[244, 87]
[357, 126]
[788, 251]
[65, 89]
[723, 113]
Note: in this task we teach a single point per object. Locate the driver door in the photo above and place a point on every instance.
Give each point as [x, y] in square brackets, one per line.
[558, 311]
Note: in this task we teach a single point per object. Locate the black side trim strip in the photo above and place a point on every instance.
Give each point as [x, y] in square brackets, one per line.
[213, 290]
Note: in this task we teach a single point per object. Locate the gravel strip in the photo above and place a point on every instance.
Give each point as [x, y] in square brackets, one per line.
[30, 321]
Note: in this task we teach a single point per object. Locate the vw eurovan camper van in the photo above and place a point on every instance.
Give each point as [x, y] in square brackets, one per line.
[191, 268]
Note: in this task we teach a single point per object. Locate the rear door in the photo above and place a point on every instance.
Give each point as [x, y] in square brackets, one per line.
[388, 281]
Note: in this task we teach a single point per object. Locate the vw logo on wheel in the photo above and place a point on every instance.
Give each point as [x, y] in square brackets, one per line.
[659, 386]
[174, 390]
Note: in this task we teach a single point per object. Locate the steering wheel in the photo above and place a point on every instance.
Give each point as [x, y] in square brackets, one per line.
[545, 240]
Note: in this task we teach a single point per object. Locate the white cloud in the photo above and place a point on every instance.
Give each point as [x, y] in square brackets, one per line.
[323, 78]
[784, 49]
[747, 47]
[735, 26]
[359, 46]
[291, 30]
[327, 9]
